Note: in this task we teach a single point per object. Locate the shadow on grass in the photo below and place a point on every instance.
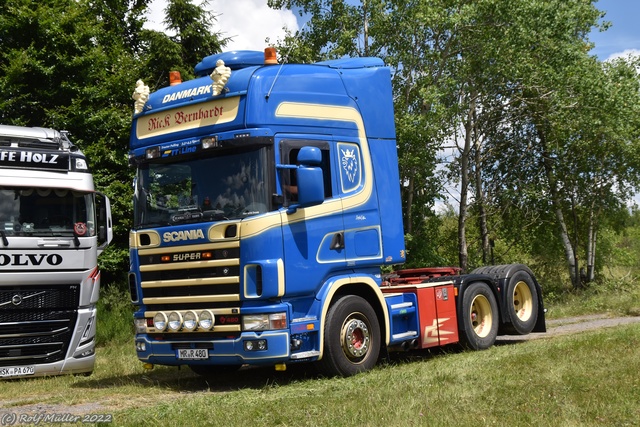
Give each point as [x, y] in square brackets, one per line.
[182, 379]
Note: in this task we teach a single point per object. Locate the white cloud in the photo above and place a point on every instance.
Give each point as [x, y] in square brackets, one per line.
[627, 53]
[248, 22]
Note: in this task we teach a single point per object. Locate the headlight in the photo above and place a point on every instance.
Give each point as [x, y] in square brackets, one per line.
[190, 320]
[81, 165]
[262, 322]
[175, 321]
[160, 321]
[206, 320]
[141, 325]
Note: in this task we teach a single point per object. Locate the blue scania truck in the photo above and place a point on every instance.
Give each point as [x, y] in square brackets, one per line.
[267, 200]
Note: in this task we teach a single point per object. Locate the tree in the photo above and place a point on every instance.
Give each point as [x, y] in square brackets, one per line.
[60, 70]
[73, 66]
[336, 28]
[576, 122]
[546, 135]
[190, 38]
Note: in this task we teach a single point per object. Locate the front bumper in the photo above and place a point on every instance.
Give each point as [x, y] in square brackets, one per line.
[221, 351]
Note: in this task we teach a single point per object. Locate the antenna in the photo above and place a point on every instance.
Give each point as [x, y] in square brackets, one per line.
[280, 68]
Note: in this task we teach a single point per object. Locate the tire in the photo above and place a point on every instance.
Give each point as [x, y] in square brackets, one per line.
[479, 317]
[352, 338]
[213, 371]
[522, 303]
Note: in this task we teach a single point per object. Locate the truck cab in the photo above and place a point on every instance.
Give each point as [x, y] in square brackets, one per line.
[53, 226]
[267, 200]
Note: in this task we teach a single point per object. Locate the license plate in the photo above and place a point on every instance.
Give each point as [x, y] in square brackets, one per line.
[193, 353]
[17, 371]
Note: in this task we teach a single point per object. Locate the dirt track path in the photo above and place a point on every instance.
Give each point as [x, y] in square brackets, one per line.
[569, 325]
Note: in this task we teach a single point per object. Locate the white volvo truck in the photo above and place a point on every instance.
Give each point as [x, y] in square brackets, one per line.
[53, 226]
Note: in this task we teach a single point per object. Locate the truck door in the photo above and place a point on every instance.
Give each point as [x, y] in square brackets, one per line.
[313, 236]
[361, 210]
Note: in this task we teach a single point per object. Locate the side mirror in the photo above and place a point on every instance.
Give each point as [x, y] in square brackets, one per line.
[105, 223]
[310, 186]
[309, 178]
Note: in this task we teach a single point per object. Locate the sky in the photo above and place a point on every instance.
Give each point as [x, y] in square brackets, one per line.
[623, 36]
[251, 22]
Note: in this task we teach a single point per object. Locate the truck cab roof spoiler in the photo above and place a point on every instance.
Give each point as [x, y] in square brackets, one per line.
[34, 137]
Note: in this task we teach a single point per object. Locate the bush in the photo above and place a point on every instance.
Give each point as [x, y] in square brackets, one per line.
[115, 316]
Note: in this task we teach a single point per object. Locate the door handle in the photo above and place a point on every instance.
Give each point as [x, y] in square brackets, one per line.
[337, 242]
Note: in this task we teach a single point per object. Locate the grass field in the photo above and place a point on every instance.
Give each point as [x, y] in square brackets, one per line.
[586, 379]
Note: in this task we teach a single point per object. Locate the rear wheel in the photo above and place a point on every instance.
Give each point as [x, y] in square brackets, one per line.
[351, 337]
[522, 303]
[480, 316]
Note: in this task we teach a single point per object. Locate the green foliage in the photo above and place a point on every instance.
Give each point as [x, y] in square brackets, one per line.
[115, 317]
[73, 66]
[335, 29]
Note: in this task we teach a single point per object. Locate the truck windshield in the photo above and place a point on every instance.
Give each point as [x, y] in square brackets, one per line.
[41, 212]
[201, 189]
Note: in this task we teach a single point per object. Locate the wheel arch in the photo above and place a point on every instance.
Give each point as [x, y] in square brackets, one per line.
[363, 286]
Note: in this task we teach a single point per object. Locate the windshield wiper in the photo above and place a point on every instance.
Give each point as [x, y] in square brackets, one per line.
[214, 215]
[151, 225]
[5, 241]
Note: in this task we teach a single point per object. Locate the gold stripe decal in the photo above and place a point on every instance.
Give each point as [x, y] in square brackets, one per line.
[337, 113]
[252, 227]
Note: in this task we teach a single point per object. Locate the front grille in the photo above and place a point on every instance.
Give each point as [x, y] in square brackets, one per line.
[202, 290]
[201, 276]
[190, 273]
[35, 298]
[36, 323]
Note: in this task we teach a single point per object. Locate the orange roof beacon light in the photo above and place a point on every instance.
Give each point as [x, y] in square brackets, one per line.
[270, 57]
[174, 78]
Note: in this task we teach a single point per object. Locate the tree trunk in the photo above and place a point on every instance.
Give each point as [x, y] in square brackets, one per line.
[365, 28]
[463, 255]
[480, 198]
[569, 251]
[408, 210]
[591, 248]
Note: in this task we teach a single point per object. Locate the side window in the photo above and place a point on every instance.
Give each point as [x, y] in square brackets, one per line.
[289, 150]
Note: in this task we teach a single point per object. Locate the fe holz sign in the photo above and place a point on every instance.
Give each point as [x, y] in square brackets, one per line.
[34, 159]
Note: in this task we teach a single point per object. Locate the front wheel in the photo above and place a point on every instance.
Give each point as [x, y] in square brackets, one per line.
[479, 316]
[352, 337]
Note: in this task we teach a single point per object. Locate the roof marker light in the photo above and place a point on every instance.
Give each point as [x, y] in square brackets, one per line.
[174, 78]
[270, 57]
